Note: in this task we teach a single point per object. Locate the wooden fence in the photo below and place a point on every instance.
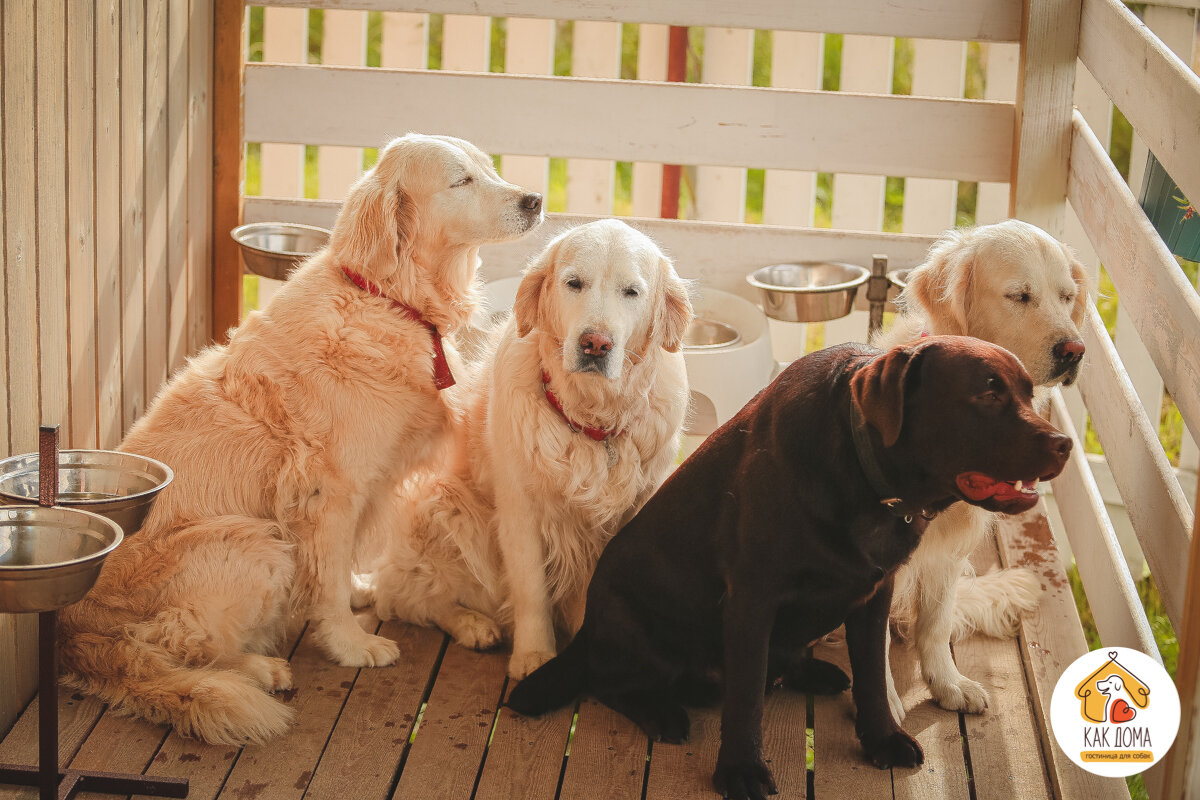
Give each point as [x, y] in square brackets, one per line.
[104, 235]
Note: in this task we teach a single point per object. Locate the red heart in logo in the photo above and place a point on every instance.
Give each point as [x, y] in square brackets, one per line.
[1121, 712]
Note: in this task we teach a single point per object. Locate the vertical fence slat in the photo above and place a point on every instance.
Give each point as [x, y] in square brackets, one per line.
[81, 240]
[177, 95]
[789, 196]
[285, 39]
[1042, 142]
[201, 259]
[797, 60]
[529, 50]
[18, 632]
[728, 59]
[405, 41]
[344, 44]
[108, 222]
[21, 236]
[221, 130]
[157, 297]
[652, 56]
[51, 174]
[858, 199]
[133, 213]
[938, 70]
[466, 42]
[1003, 60]
[4, 373]
[595, 53]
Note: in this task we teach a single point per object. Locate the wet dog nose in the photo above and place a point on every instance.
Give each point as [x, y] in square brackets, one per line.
[1069, 351]
[531, 201]
[596, 345]
[1060, 445]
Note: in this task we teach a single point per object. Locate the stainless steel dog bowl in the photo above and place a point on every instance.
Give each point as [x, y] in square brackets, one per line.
[50, 557]
[810, 291]
[273, 249]
[709, 334]
[899, 278]
[119, 486]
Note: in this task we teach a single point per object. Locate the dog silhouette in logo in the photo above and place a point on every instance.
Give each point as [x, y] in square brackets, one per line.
[1118, 709]
[1111, 693]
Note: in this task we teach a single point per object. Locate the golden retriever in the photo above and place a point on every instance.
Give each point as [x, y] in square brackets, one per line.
[1015, 285]
[282, 441]
[574, 423]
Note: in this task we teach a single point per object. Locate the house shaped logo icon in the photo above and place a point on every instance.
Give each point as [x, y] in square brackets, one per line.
[1112, 693]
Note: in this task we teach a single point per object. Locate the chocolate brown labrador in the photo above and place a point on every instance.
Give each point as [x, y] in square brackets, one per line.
[788, 522]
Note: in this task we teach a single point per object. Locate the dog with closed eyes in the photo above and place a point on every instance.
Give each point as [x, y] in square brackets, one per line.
[790, 520]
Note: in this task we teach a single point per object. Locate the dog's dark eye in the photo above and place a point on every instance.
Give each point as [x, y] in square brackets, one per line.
[995, 390]
[631, 291]
[464, 182]
[1067, 297]
[574, 283]
[1020, 297]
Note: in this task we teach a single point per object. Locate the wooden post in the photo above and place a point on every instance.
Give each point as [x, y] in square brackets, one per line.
[1182, 767]
[1045, 101]
[228, 66]
[677, 73]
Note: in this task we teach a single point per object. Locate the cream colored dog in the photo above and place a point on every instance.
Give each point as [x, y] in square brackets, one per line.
[573, 425]
[1013, 284]
[282, 441]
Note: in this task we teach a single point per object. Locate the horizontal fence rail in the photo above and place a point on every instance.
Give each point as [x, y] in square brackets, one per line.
[984, 20]
[675, 123]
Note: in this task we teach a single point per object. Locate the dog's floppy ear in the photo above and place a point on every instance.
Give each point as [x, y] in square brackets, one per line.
[527, 306]
[942, 285]
[1079, 275]
[673, 312]
[377, 228]
[878, 390]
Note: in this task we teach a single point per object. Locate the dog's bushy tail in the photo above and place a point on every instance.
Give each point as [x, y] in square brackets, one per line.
[218, 706]
[555, 683]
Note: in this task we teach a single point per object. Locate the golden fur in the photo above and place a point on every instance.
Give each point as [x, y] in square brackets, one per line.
[282, 441]
[506, 540]
[1012, 284]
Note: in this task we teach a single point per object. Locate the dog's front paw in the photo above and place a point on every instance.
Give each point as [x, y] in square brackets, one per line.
[814, 676]
[896, 749]
[961, 695]
[668, 723]
[526, 661]
[743, 779]
[474, 630]
[353, 647]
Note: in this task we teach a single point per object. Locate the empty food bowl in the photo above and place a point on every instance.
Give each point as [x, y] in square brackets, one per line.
[119, 486]
[50, 557]
[273, 249]
[709, 334]
[809, 291]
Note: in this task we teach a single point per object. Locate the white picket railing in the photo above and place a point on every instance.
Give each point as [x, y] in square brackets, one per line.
[938, 69]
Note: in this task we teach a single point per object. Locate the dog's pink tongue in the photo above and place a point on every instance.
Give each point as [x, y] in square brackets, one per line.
[977, 486]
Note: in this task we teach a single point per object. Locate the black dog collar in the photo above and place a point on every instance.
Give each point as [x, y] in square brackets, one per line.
[870, 465]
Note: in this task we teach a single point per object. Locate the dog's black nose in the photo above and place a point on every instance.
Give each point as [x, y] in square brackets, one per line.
[1068, 351]
[531, 201]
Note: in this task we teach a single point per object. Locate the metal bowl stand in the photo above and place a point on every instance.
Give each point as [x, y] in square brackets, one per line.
[877, 292]
[53, 783]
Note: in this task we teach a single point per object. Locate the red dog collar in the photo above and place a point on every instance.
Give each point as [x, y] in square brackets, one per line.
[442, 377]
[599, 434]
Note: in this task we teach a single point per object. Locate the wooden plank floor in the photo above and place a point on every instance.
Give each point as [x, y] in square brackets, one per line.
[434, 727]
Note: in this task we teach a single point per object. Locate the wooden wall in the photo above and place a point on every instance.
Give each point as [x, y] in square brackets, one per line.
[105, 198]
